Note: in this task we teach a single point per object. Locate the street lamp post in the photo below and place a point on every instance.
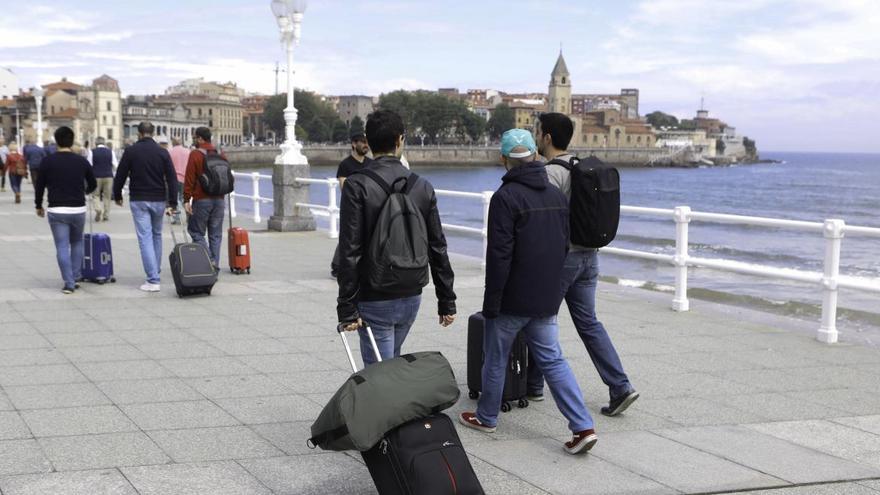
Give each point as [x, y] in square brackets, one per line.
[291, 163]
[38, 97]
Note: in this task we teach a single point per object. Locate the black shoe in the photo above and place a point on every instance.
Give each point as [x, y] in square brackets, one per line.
[75, 286]
[620, 404]
[67, 290]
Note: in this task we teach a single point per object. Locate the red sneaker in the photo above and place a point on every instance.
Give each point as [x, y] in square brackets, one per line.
[582, 441]
[470, 420]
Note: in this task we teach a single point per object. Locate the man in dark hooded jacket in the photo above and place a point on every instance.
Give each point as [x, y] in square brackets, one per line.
[527, 244]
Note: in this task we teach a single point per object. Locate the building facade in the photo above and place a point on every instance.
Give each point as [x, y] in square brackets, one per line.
[354, 105]
[253, 108]
[8, 84]
[217, 103]
[559, 91]
[169, 120]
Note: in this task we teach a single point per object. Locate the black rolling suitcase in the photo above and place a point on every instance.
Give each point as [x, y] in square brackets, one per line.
[420, 457]
[191, 267]
[516, 377]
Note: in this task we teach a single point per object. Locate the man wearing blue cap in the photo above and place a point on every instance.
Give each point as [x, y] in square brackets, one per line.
[527, 245]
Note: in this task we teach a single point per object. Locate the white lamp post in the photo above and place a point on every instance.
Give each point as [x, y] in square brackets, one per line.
[38, 97]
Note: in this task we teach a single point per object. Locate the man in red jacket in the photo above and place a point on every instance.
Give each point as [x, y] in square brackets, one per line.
[205, 212]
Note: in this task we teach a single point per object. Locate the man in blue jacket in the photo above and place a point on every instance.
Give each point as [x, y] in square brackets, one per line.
[104, 162]
[527, 244]
[33, 155]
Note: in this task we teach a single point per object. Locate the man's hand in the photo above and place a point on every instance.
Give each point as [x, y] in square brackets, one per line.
[351, 327]
[170, 211]
[446, 320]
[119, 202]
[41, 212]
[189, 208]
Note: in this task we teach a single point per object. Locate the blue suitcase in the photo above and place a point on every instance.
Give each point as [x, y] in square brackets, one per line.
[97, 259]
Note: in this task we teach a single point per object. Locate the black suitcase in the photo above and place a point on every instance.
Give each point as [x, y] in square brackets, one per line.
[422, 457]
[516, 377]
[192, 268]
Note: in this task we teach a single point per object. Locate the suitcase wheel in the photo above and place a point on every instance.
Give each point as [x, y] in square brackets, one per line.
[523, 403]
[101, 282]
[505, 407]
[112, 280]
[474, 395]
[249, 270]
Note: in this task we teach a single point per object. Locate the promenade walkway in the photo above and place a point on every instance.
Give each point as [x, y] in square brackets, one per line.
[114, 391]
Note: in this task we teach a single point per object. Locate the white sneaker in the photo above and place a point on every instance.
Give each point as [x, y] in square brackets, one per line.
[148, 287]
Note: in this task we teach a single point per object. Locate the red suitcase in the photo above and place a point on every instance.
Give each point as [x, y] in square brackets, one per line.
[239, 248]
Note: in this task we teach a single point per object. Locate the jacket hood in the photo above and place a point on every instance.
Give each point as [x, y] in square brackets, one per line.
[532, 175]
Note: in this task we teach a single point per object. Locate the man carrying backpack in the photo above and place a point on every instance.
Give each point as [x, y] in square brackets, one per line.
[580, 275]
[389, 237]
[208, 179]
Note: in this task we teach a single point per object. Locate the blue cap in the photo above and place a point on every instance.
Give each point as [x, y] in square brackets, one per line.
[518, 137]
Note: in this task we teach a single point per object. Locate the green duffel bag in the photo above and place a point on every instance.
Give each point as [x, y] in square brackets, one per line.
[383, 396]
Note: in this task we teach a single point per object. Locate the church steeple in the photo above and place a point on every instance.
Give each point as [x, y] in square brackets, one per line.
[560, 69]
[559, 91]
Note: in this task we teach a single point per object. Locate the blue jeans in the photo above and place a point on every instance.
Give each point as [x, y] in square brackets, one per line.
[207, 216]
[148, 226]
[542, 335]
[390, 322]
[67, 231]
[15, 182]
[579, 277]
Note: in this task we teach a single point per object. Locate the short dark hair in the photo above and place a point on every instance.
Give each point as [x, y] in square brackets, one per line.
[560, 128]
[204, 133]
[64, 137]
[146, 128]
[382, 129]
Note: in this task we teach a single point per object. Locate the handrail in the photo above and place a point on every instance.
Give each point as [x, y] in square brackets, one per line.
[254, 196]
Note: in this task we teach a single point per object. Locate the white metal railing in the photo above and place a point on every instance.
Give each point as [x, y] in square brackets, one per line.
[254, 196]
[485, 197]
[331, 210]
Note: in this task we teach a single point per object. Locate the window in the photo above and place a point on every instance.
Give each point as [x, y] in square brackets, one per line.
[563, 79]
[200, 112]
[109, 133]
[595, 138]
[104, 119]
[53, 110]
[211, 111]
[114, 120]
[629, 139]
[110, 107]
[639, 139]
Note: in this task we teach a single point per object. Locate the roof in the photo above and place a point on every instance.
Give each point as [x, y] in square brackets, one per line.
[560, 69]
[638, 129]
[66, 113]
[63, 84]
[106, 83]
[595, 129]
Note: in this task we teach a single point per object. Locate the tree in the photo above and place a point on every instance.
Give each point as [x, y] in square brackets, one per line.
[319, 131]
[502, 119]
[720, 146]
[751, 148]
[273, 114]
[301, 134]
[687, 125]
[659, 119]
[356, 127]
[340, 132]
[472, 126]
[316, 117]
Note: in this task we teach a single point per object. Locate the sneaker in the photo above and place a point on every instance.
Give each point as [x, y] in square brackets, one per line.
[470, 420]
[67, 290]
[620, 404]
[76, 286]
[106, 218]
[148, 287]
[582, 441]
[535, 397]
[98, 217]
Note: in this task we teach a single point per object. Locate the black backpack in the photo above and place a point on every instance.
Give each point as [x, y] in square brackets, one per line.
[594, 208]
[216, 178]
[397, 256]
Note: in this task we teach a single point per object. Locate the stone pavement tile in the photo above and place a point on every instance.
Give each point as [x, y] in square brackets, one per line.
[827, 437]
[245, 347]
[696, 411]
[135, 325]
[708, 343]
[224, 387]
[706, 362]
[778, 406]
[12, 427]
[498, 482]
[5, 403]
[71, 315]
[313, 382]
[105, 482]
[102, 451]
[340, 474]
[123, 370]
[769, 454]
[127, 313]
[31, 357]
[40, 375]
[84, 339]
[103, 353]
[873, 484]
[180, 350]
[178, 415]
[22, 457]
[156, 336]
[848, 354]
[326, 346]
[854, 401]
[828, 489]
[213, 444]
[12, 342]
[289, 437]
[561, 473]
[274, 409]
[782, 380]
[64, 326]
[870, 424]
[777, 358]
[56, 396]
[77, 421]
[215, 478]
[9, 329]
[673, 464]
[693, 384]
[145, 391]
[209, 366]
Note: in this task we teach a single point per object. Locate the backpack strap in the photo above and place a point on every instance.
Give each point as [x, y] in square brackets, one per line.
[567, 165]
[410, 180]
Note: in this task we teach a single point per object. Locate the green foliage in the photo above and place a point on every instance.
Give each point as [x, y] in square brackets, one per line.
[435, 117]
[316, 117]
[301, 134]
[356, 127]
[273, 114]
[687, 125]
[751, 148]
[503, 118]
[340, 132]
[659, 119]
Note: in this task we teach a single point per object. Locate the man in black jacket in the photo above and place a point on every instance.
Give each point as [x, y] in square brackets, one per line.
[389, 312]
[527, 244]
[153, 190]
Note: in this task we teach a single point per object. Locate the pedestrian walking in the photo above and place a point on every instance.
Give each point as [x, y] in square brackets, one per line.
[104, 163]
[205, 212]
[380, 285]
[69, 178]
[153, 192]
[355, 161]
[4, 151]
[580, 277]
[527, 243]
[179, 157]
[16, 168]
[34, 155]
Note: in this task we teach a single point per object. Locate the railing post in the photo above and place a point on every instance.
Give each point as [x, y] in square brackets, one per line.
[682, 219]
[487, 198]
[332, 208]
[255, 177]
[833, 233]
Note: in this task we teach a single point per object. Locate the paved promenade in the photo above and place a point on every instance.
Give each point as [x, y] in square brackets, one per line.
[114, 391]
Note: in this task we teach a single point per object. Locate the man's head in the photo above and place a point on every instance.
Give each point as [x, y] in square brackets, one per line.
[175, 141]
[163, 141]
[359, 144]
[99, 141]
[517, 148]
[29, 140]
[384, 132]
[146, 129]
[203, 135]
[13, 147]
[553, 132]
[64, 137]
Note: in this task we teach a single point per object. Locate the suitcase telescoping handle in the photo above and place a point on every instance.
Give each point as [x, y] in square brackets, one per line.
[342, 333]
[171, 228]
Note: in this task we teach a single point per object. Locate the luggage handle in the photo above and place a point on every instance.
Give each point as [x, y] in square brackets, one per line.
[171, 228]
[342, 332]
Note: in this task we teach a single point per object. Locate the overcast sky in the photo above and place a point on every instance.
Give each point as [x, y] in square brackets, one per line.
[794, 75]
